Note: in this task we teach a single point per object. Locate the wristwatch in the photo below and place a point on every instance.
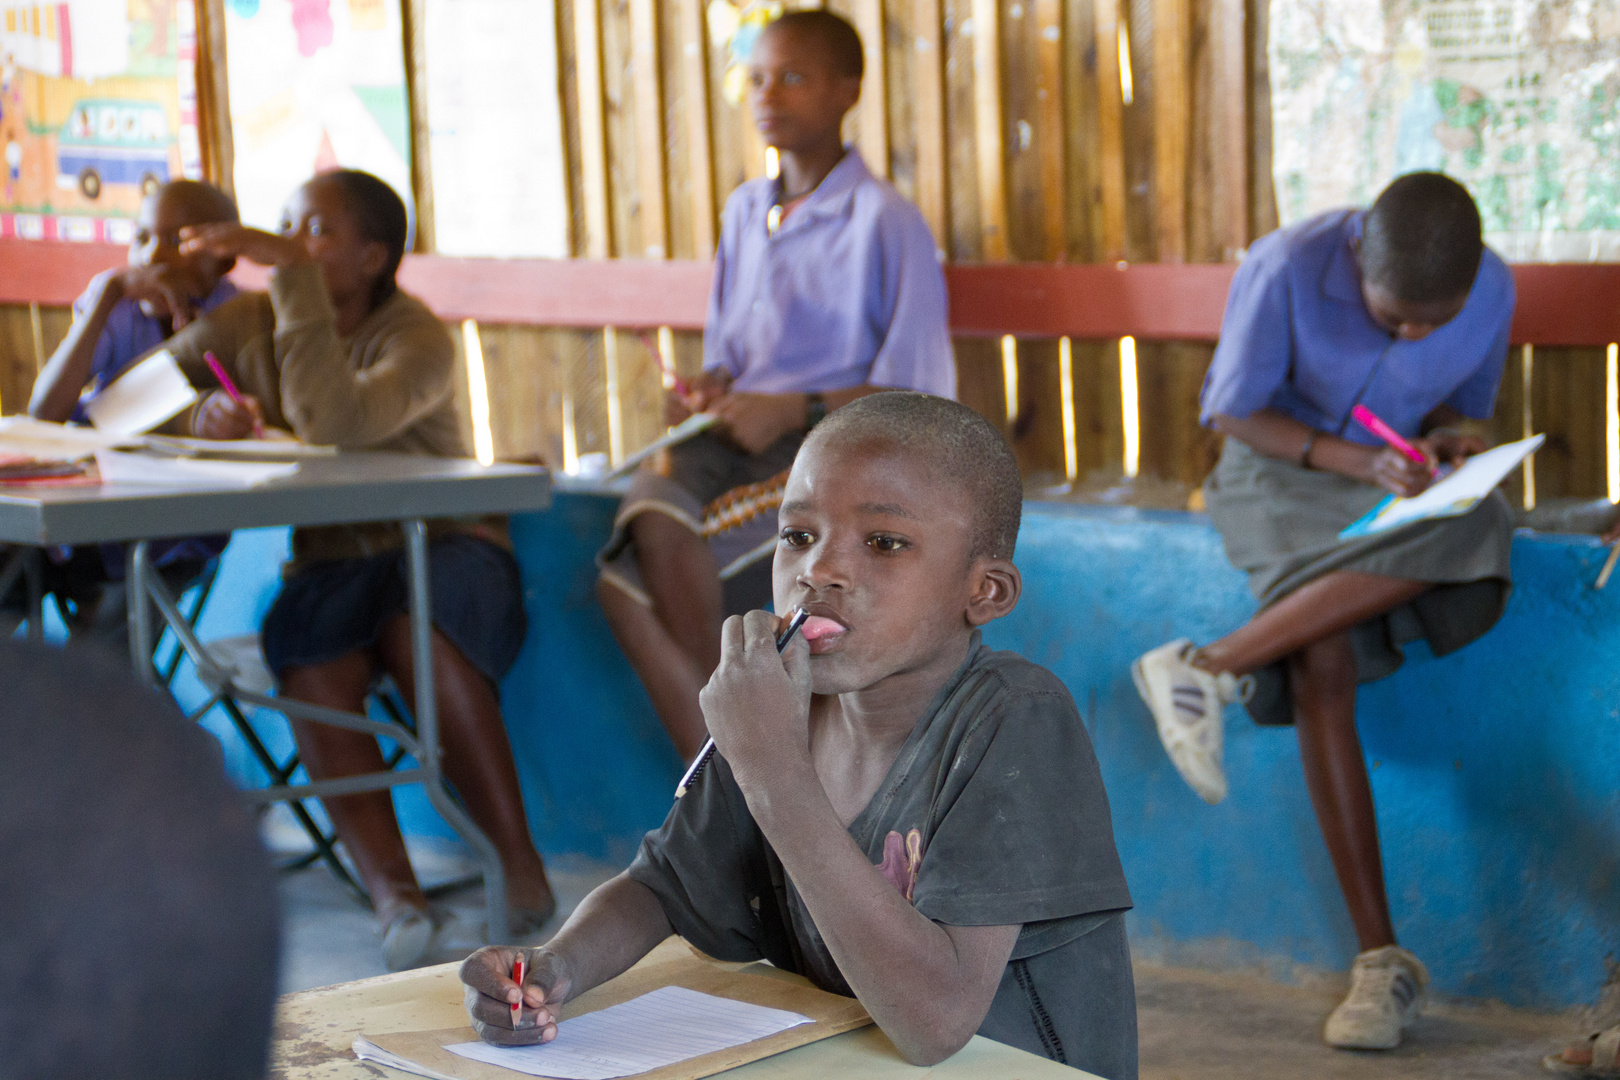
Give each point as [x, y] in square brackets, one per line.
[815, 410]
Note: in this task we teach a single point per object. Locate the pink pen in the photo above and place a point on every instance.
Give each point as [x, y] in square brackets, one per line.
[230, 387]
[1369, 420]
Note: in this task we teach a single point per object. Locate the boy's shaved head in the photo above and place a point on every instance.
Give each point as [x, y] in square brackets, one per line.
[835, 34]
[1421, 240]
[958, 442]
[197, 202]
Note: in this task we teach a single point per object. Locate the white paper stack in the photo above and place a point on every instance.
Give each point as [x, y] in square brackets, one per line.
[143, 397]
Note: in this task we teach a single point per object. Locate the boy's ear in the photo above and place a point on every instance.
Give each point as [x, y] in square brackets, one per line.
[997, 585]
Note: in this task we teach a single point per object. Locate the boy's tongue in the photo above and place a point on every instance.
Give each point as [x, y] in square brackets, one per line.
[817, 627]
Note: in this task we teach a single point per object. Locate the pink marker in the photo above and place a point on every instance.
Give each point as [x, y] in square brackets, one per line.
[1369, 420]
[230, 387]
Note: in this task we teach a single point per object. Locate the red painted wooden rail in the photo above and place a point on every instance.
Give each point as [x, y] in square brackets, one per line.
[1558, 304]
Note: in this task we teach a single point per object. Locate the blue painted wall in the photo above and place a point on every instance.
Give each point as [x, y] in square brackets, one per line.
[1496, 770]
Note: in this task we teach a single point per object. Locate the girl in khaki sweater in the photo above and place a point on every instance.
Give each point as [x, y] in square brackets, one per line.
[339, 355]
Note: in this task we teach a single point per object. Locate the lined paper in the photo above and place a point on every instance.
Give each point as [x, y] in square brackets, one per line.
[669, 1025]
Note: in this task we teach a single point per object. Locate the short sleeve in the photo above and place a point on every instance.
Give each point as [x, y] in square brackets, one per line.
[1476, 396]
[704, 871]
[1255, 350]
[915, 347]
[1028, 837]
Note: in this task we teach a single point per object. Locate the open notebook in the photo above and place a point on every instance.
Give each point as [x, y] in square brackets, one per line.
[1456, 494]
[672, 1021]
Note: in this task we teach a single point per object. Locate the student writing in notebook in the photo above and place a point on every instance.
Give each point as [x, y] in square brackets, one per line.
[121, 316]
[1400, 308]
[826, 288]
[896, 811]
[340, 355]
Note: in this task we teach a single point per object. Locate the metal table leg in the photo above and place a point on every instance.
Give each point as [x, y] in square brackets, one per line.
[427, 730]
[137, 568]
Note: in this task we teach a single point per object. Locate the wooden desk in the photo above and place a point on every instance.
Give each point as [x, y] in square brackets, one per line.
[315, 1029]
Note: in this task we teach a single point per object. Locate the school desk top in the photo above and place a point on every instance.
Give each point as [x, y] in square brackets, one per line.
[336, 490]
[315, 1029]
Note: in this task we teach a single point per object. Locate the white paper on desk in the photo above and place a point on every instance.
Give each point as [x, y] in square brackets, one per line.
[245, 449]
[43, 440]
[679, 433]
[143, 397]
[670, 1024]
[148, 470]
[1456, 494]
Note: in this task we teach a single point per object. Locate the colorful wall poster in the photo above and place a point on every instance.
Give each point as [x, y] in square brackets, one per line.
[1517, 99]
[495, 129]
[98, 106]
[314, 85]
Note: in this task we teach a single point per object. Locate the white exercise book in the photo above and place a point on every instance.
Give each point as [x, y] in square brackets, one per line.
[148, 394]
[669, 1025]
[1456, 494]
[148, 470]
[679, 433]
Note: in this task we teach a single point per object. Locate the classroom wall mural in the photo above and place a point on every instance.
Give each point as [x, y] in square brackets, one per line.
[98, 106]
[1515, 98]
[314, 84]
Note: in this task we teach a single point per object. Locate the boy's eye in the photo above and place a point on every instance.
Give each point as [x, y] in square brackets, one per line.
[796, 538]
[315, 228]
[792, 78]
[887, 544]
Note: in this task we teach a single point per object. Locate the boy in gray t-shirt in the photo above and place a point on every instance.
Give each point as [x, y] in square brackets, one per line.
[896, 812]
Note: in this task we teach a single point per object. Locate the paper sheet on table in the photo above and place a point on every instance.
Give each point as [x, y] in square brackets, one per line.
[267, 449]
[679, 433]
[143, 397]
[663, 1027]
[23, 436]
[148, 470]
[1456, 494]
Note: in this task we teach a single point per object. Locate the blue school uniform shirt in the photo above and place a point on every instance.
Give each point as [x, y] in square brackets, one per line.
[131, 333]
[848, 291]
[1297, 338]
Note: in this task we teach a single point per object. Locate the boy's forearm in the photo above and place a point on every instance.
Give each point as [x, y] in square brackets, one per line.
[62, 379]
[905, 968]
[612, 928]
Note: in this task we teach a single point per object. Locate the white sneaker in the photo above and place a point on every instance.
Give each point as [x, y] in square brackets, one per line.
[1186, 704]
[1388, 987]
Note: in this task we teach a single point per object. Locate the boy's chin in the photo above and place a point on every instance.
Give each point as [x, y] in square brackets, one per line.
[154, 309]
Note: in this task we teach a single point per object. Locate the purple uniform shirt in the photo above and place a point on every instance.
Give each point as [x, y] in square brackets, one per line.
[848, 291]
[1297, 338]
[131, 333]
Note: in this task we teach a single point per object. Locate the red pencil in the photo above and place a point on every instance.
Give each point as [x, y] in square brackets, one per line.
[517, 1007]
[230, 387]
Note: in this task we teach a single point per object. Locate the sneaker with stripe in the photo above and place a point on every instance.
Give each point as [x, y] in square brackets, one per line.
[1186, 702]
[1388, 988]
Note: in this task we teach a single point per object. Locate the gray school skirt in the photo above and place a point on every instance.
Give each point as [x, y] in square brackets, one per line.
[1281, 523]
[722, 493]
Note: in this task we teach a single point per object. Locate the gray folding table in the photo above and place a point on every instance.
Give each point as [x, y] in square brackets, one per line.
[340, 490]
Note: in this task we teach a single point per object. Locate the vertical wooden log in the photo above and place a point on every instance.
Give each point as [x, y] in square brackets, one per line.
[928, 107]
[1049, 126]
[592, 128]
[1170, 105]
[988, 134]
[1229, 120]
[695, 101]
[413, 17]
[213, 96]
[874, 104]
[649, 119]
[1110, 132]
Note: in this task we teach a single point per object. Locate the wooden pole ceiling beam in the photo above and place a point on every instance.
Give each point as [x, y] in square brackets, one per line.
[598, 239]
[1110, 130]
[694, 45]
[647, 79]
[928, 109]
[988, 131]
[1171, 102]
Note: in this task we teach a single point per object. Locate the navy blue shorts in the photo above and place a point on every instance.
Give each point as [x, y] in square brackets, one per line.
[336, 607]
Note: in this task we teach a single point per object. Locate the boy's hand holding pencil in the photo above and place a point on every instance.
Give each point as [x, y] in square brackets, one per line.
[757, 703]
[508, 1012]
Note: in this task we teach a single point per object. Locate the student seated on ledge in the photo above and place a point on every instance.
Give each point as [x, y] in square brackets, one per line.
[338, 354]
[1404, 310]
[123, 315]
[895, 811]
[826, 287]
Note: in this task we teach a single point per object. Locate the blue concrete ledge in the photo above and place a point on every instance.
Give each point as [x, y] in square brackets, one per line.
[1496, 769]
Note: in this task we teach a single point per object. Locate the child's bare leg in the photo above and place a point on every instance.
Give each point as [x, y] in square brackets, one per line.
[675, 646]
[1314, 612]
[365, 823]
[1322, 677]
[477, 756]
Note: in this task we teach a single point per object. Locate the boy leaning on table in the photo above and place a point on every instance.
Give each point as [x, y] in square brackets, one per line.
[896, 811]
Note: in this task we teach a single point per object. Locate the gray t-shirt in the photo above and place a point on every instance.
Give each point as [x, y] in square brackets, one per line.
[993, 814]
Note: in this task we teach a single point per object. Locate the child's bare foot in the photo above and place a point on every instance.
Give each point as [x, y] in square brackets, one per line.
[1598, 1056]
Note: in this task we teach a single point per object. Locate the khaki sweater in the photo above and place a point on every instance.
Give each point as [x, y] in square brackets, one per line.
[387, 386]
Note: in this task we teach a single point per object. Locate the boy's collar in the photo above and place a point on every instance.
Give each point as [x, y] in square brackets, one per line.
[1341, 280]
[836, 188]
